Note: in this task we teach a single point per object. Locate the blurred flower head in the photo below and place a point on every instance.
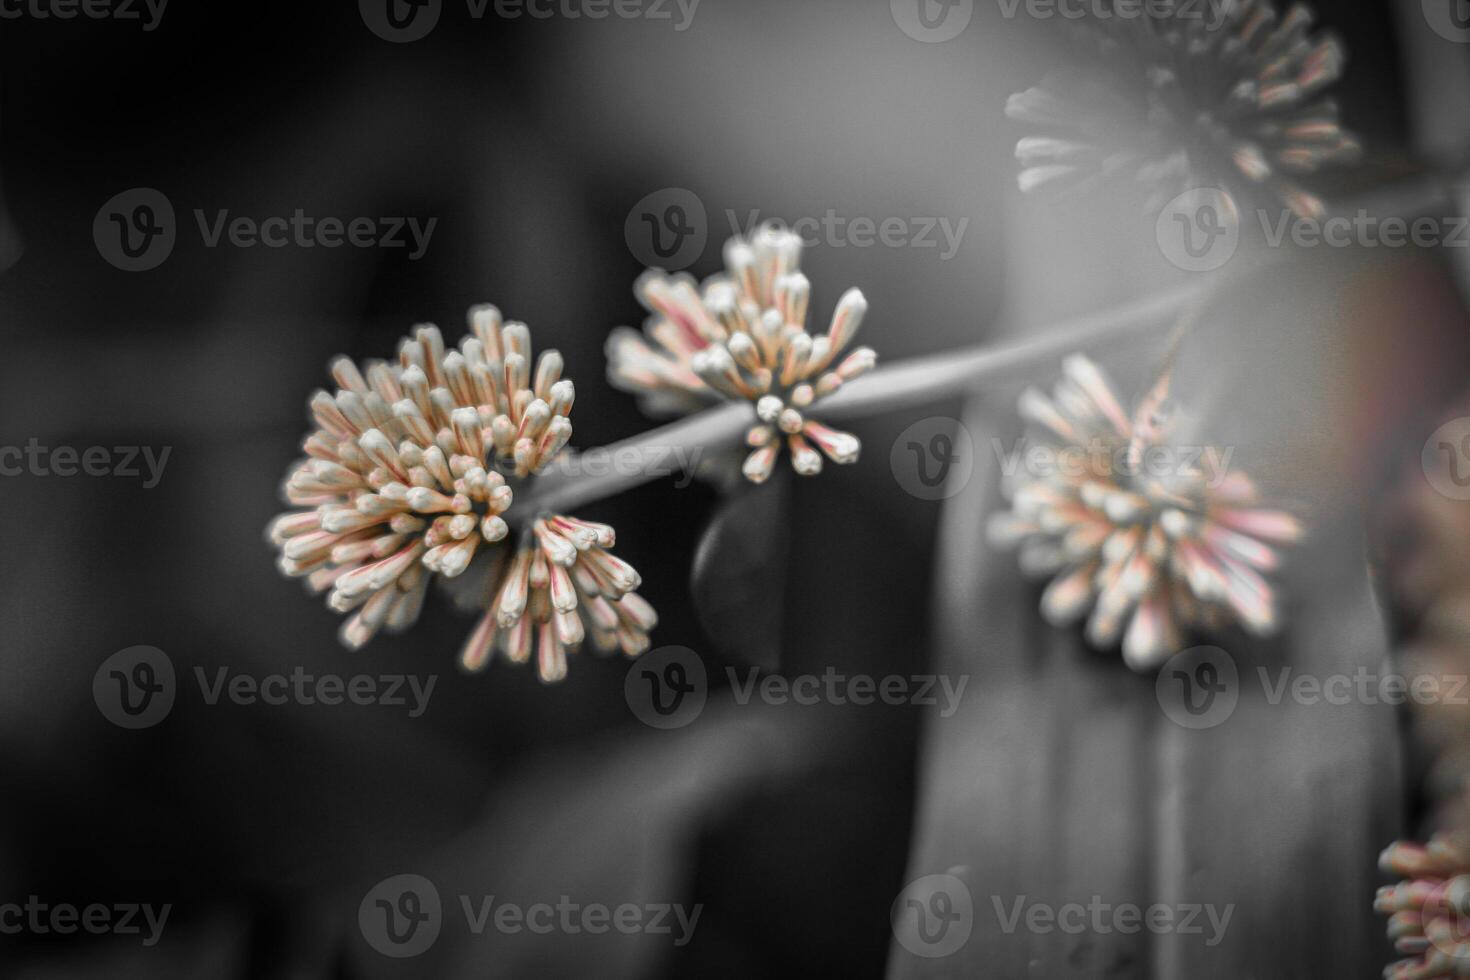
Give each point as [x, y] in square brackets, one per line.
[1429, 911]
[1191, 96]
[742, 336]
[1137, 533]
[409, 474]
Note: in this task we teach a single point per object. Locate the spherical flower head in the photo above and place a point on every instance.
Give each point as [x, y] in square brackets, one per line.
[1429, 911]
[742, 336]
[1136, 537]
[1188, 97]
[409, 474]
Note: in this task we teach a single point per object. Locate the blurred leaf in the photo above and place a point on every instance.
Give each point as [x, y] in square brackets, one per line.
[739, 578]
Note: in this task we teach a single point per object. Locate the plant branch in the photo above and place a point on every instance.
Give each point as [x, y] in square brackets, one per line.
[911, 382]
[936, 376]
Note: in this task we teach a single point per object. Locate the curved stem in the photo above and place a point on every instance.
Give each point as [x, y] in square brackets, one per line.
[911, 382]
[925, 379]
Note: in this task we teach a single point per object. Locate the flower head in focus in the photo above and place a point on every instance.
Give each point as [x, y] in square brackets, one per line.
[409, 474]
[1189, 96]
[1429, 911]
[1133, 531]
[742, 336]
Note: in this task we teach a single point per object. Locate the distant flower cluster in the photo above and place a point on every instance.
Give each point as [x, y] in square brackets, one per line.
[1144, 556]
[1429, 911]
[1190, 99]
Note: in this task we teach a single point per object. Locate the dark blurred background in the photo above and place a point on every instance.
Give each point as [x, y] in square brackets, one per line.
[529, 141]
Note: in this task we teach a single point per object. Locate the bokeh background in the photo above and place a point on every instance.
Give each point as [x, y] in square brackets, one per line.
[529, 141]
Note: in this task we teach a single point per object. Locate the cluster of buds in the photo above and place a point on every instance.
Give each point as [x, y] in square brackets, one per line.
[1429, 911]
[742, 336]
[1193, 102]
[409, 474]
[1148, 553]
